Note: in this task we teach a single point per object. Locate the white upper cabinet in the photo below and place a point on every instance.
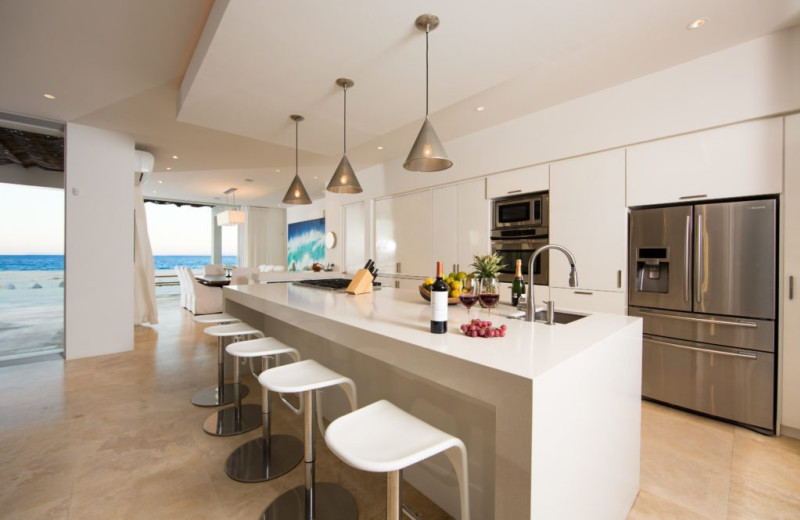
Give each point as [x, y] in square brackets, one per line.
[588, 216]
[403, 234]
[733, 161]
[355, 239]
[516, 182]
[473, 222]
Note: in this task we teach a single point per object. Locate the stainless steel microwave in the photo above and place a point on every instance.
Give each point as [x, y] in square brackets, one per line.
[522, 211]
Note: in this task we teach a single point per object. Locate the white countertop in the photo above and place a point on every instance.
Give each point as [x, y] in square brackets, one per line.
[528, 349]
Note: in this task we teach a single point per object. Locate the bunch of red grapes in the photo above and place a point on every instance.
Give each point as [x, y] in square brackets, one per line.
[483, 329]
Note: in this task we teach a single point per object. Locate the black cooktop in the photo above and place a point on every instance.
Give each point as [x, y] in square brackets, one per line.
[331, 284]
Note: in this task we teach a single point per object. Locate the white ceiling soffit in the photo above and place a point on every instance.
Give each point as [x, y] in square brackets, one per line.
[259, 62]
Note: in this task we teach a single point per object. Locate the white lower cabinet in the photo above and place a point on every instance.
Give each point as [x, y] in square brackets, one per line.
[540, 292]
[583, 300]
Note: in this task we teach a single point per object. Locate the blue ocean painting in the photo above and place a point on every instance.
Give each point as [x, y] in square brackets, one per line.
[306, 244]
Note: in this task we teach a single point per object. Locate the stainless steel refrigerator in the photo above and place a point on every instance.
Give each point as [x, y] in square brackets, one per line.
[703, 277]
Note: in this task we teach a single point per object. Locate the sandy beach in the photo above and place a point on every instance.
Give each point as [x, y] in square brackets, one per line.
[32, 312]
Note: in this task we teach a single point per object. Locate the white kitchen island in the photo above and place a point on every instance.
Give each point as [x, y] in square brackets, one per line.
[550, 414]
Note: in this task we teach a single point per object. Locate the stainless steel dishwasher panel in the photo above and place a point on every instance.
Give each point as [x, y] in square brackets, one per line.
[729, 383]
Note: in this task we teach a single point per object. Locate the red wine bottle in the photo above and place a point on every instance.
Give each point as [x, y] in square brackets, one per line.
[439, 292]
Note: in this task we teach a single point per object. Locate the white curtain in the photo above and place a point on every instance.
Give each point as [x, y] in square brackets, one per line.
[145, 309]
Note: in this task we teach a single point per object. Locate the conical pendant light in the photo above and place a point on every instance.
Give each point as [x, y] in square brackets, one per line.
[427, 154]
[297, 193]
[344, 178]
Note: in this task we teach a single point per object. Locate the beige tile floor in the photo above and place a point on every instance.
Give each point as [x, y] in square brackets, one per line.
[115, 437]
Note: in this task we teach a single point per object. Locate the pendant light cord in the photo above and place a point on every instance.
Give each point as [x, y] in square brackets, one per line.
[427, 30]
[345, 120]
[296, 147]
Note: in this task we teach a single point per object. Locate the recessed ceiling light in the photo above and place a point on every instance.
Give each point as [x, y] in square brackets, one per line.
[161, 182]
[168, 168]
[277, 171]
[316, 177]
[380, 148]
[480, 109]
[174, 156]
[697, 24]
[49, 96]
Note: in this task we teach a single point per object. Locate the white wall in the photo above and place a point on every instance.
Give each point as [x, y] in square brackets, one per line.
[99, 242]
[16, 174]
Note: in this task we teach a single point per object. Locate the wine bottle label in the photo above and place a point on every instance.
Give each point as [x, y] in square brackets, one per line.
[438, 306]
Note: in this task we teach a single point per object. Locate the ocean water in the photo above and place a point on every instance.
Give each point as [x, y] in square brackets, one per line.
[56, 262]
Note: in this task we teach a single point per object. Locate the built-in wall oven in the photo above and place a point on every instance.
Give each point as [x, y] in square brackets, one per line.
[520, 228]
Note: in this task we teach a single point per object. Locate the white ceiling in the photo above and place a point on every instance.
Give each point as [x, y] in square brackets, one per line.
[215, 82]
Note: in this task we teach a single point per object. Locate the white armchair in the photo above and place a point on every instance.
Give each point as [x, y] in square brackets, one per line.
[214, 270]
[205, 299]
[242, 275]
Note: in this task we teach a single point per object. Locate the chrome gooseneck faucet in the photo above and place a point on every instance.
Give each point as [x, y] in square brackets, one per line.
[530, 310]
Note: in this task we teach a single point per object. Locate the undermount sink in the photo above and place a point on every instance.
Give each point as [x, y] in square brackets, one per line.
[560, 317]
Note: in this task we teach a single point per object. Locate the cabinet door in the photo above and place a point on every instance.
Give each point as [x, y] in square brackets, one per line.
[444, 222]
[588, 217]
[516, 182]
[473, 223]
[354, 238]
[733, 161]
[791, 281]
[403, 234]
[581, 300]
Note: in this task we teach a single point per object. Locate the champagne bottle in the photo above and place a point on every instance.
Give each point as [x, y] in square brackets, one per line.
[518, 286]
[439, 292]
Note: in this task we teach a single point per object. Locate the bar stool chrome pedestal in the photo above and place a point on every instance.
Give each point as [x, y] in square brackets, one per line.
[324, 501]
[382, 438]
[221, 393]
[238, 419]
[269, 456]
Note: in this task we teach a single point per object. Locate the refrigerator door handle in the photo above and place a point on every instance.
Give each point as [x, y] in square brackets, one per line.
[739, 323]
[686, 257]
[698, 268]
[704, 350]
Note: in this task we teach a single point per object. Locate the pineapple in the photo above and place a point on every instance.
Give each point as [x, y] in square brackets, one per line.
[487, 266]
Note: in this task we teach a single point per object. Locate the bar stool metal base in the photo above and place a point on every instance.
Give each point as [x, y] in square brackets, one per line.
[333, 502]
[223, 422]
[211, 396]
[251, 462]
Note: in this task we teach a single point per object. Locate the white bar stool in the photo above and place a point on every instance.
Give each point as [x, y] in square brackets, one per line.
[269, 456]
[382, 438]
[232, 421]
[324, 501]
[220, 393]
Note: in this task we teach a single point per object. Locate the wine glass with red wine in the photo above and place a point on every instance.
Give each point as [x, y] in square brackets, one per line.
[468, 294]
[489, 293]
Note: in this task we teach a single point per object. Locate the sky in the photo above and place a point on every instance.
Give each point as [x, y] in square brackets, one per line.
[32, 223]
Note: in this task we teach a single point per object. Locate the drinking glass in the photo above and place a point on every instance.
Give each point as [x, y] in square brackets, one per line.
[489, 293]
[467, 295]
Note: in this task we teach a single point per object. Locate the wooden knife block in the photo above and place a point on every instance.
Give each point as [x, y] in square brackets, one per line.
[361, 283]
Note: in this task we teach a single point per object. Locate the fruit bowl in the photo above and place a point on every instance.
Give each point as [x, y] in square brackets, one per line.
[426, 294]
